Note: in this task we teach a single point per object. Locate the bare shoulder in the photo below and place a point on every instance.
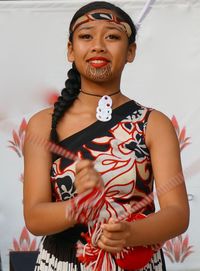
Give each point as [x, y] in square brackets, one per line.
[156, 117]
[159, 127]
[40, 123]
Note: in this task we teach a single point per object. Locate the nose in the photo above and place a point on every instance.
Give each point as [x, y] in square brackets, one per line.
[98, 45]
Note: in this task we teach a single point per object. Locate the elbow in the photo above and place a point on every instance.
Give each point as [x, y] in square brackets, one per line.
[179, 221]
[186, 218]
[31, 228]
[32, 224]
[183, 221]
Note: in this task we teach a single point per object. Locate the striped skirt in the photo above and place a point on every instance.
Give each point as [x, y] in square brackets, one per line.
[58, 253]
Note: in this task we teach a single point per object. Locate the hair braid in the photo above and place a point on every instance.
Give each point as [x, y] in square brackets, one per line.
[65, 100]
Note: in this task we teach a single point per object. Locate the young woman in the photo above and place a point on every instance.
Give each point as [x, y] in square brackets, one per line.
[122, 145]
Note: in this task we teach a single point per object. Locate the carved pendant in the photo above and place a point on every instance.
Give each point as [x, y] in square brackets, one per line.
[104, 109]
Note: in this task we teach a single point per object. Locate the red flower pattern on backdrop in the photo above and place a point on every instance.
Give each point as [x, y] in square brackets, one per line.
[24, 243]
[17, 144]
[52, 97]
[178, 249]
[183, 140]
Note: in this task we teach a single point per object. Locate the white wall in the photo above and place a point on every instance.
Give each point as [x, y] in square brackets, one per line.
[165, 75]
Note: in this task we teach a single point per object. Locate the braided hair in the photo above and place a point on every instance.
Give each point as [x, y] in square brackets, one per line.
[73, 83]
[65, 100]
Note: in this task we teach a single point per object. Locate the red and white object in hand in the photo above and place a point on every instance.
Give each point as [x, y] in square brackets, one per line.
[85, 208]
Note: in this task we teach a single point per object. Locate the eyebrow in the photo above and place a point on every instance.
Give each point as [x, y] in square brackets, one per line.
[108, 27]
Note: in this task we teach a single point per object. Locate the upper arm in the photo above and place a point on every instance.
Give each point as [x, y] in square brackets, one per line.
[164, 149]
[37, 162]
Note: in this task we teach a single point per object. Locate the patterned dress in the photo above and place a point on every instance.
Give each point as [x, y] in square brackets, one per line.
[123, 160]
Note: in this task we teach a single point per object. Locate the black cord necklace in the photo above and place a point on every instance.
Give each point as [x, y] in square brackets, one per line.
[97, 95]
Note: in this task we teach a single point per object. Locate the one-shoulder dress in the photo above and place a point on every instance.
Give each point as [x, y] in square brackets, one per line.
[123, 160]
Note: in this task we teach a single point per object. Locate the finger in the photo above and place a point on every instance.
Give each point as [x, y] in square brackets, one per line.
[112, 220]
[87, 178]
[108, 248]
[82, 176]
[115, 240]
[82, 164]
[113, 227]
[113, 235]
[87, 173]
[85, 185]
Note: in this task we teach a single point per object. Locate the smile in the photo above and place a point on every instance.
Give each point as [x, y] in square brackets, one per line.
[98, 63]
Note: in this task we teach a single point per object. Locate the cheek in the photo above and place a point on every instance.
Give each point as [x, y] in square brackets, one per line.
[120, 61]
[120, 55]
[80, 48]
[80, 54]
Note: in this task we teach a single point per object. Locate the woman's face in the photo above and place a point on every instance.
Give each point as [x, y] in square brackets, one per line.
[100, 50]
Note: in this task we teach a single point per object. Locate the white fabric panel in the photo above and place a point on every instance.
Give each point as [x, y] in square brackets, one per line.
[164, 75]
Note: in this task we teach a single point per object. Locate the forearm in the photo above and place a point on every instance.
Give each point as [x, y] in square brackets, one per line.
[48, 218]
[159, 227]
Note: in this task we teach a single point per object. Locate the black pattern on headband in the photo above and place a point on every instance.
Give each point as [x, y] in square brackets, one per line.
[103, 16]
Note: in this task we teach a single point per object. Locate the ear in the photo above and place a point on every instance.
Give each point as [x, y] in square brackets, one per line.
[131, 52]
[70, 54]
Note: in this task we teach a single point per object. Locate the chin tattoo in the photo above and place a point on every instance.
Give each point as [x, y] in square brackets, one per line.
[99, 73]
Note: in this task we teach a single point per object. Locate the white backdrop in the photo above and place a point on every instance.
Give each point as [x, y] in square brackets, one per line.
[33, 67]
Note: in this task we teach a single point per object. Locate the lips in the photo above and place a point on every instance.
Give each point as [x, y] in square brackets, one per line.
[98, 62]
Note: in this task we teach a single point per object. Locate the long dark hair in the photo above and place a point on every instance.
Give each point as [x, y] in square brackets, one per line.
[73, 83]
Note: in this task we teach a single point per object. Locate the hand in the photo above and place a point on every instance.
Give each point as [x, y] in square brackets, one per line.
[115, 236]
[86, 176]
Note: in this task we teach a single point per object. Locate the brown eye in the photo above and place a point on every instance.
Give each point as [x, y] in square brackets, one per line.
[113, 37]
[85, 36]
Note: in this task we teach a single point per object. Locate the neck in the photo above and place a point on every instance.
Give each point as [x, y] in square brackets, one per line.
[100, 88]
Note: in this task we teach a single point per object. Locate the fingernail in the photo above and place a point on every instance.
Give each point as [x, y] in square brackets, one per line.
[112, 220]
